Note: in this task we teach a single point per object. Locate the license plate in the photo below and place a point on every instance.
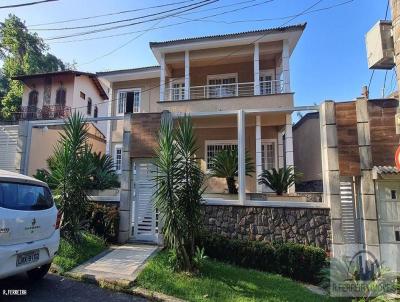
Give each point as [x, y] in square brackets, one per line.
[29, 257]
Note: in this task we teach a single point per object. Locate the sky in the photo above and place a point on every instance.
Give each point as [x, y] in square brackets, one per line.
[329, 62]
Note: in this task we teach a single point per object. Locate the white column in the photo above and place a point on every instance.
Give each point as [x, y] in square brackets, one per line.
[258, 152]
[241, 155]
[187, 75]
[289, 146]
[109, 113]
[281, 160]
[285, 66]
[256, 68]
[162, 78]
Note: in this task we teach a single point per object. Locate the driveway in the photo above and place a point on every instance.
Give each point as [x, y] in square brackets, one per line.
[56, 288]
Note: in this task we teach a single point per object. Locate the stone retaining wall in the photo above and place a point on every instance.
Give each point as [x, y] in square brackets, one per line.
[300, 225]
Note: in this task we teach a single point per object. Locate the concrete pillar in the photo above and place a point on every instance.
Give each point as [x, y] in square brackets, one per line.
[21, 155]
[368, 216]
[241, 120]
[162, 78]
[109, 122]
[281, 159]
[258, 152]
[289, 146]
[330, 173]
[125, 205]
[187, 75]
[285, 66]
[256, 68]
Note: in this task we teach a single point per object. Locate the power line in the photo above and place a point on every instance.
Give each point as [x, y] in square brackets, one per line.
[26, 4]
[387, 9]
[198, 4]
[123, 20]
[111, 14]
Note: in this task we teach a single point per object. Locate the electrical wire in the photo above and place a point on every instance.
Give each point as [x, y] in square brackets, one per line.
[26, 4]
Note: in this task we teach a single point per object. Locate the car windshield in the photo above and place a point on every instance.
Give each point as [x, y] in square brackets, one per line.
[25, 197]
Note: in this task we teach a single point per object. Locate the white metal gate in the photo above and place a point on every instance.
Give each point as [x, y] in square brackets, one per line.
[8, 147]
[388, 206]
[347, 205]
[144, 214]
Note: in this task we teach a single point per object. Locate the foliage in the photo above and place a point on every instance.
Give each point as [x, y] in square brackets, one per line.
[22, 53]
[69, 175]
[179, 188]
[103, 221]
[71, 254]
[42, 174]
[221, 282]
[278, 180]
[225, 165]
[199, 257]
[293, 260]
[103, 175]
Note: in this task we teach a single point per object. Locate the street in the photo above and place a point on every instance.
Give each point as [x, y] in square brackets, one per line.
[56, 288]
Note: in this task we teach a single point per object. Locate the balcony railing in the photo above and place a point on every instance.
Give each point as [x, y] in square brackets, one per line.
[224, 90]
[47, 112]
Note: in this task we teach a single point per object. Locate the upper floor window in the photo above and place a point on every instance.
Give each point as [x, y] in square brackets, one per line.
[222, 85]
[82, 95]
[128, 101]
[33, 98]
[95, 111]
[61, 96]
[267, 85]
[177, 90]
[89, 106]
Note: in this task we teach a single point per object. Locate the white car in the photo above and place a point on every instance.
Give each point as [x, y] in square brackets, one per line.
[29, 226]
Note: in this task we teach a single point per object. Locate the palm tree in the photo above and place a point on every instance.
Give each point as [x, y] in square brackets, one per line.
[225, 165]
[179, 188]
[278, 180]
[103, 175]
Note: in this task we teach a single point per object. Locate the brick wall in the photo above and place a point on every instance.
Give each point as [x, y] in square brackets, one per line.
[145, 127]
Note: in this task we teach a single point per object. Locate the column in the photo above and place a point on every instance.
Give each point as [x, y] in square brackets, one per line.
[125, 204]
[187, 75]
[162, 78]
[369, 219]
[330, 173]
[285, 66]
[21, 166]
[289, 146]
[281, 160]
[111, 102]
[258, 152]
[256, 68]
[241, 155]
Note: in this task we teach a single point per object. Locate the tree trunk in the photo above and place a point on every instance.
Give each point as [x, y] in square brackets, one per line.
[230, 181]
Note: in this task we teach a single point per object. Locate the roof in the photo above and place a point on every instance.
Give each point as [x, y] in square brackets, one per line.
[76, 73]
[306, 117]
[141, 73]
[128, 70]
[15, 177]
[385, 170]
[232, 35]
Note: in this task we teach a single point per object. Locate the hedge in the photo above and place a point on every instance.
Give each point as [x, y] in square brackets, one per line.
[296, 261]
[103, 221]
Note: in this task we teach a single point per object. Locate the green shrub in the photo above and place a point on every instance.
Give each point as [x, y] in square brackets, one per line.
[103, 221]
[293, 260]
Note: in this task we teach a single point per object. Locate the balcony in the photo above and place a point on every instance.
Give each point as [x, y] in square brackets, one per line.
[225, 90]
[47, 112]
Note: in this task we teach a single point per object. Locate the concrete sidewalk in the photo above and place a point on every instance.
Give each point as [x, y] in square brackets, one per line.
[120, 265]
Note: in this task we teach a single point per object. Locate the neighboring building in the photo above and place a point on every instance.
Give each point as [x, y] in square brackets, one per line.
[236, 87]
[307, 153]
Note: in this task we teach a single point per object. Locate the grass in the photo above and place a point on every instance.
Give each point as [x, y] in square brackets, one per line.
[222, 282]
[71, 254]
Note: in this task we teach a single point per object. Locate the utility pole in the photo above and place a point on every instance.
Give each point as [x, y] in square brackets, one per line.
[395, 8]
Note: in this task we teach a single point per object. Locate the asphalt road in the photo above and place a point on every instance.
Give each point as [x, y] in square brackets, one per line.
[55, 288]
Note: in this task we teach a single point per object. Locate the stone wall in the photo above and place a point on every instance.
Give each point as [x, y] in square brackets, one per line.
[300, 225]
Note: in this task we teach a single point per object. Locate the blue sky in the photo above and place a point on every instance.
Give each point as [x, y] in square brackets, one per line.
[328, 63]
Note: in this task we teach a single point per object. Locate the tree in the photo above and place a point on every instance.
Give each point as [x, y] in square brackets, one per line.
[179, 189]
[278, 180]
[22, 53]
[225, 165]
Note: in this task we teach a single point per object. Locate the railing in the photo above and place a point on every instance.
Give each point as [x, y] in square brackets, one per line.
[47, 112]
[224, 90]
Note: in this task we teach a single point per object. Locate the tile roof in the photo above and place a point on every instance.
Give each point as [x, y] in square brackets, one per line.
[386, 170]
[230, 36]
[128, 70]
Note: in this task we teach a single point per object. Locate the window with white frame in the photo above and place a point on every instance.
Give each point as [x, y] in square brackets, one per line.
[222, 85]
[213, 147]
[177, 89]
[267, 82]
[118, 158]
[268, 154]
[128, 101]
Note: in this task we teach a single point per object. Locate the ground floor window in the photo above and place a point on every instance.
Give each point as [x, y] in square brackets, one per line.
[213, 147]
[268, 154]
[118, 158]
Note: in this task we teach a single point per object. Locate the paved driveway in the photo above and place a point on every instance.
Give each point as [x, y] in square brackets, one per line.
[55, 288]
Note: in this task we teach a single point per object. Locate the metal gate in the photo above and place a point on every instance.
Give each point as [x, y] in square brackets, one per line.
[8, 147]
[388, 207]
[348, 206]
[144, 216]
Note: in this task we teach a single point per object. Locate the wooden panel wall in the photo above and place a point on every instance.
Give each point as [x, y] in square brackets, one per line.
[145, 127]
[346, 122]
[384, 140]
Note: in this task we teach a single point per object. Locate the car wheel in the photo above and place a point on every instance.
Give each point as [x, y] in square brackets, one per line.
[39, 272]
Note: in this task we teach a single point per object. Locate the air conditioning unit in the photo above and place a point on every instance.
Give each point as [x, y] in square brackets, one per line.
[380, 47]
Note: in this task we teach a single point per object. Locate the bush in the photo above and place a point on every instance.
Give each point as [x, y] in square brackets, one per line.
[103, 221]
[293, 260]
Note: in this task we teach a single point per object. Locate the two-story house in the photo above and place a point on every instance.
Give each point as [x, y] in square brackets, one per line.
[237, 89]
